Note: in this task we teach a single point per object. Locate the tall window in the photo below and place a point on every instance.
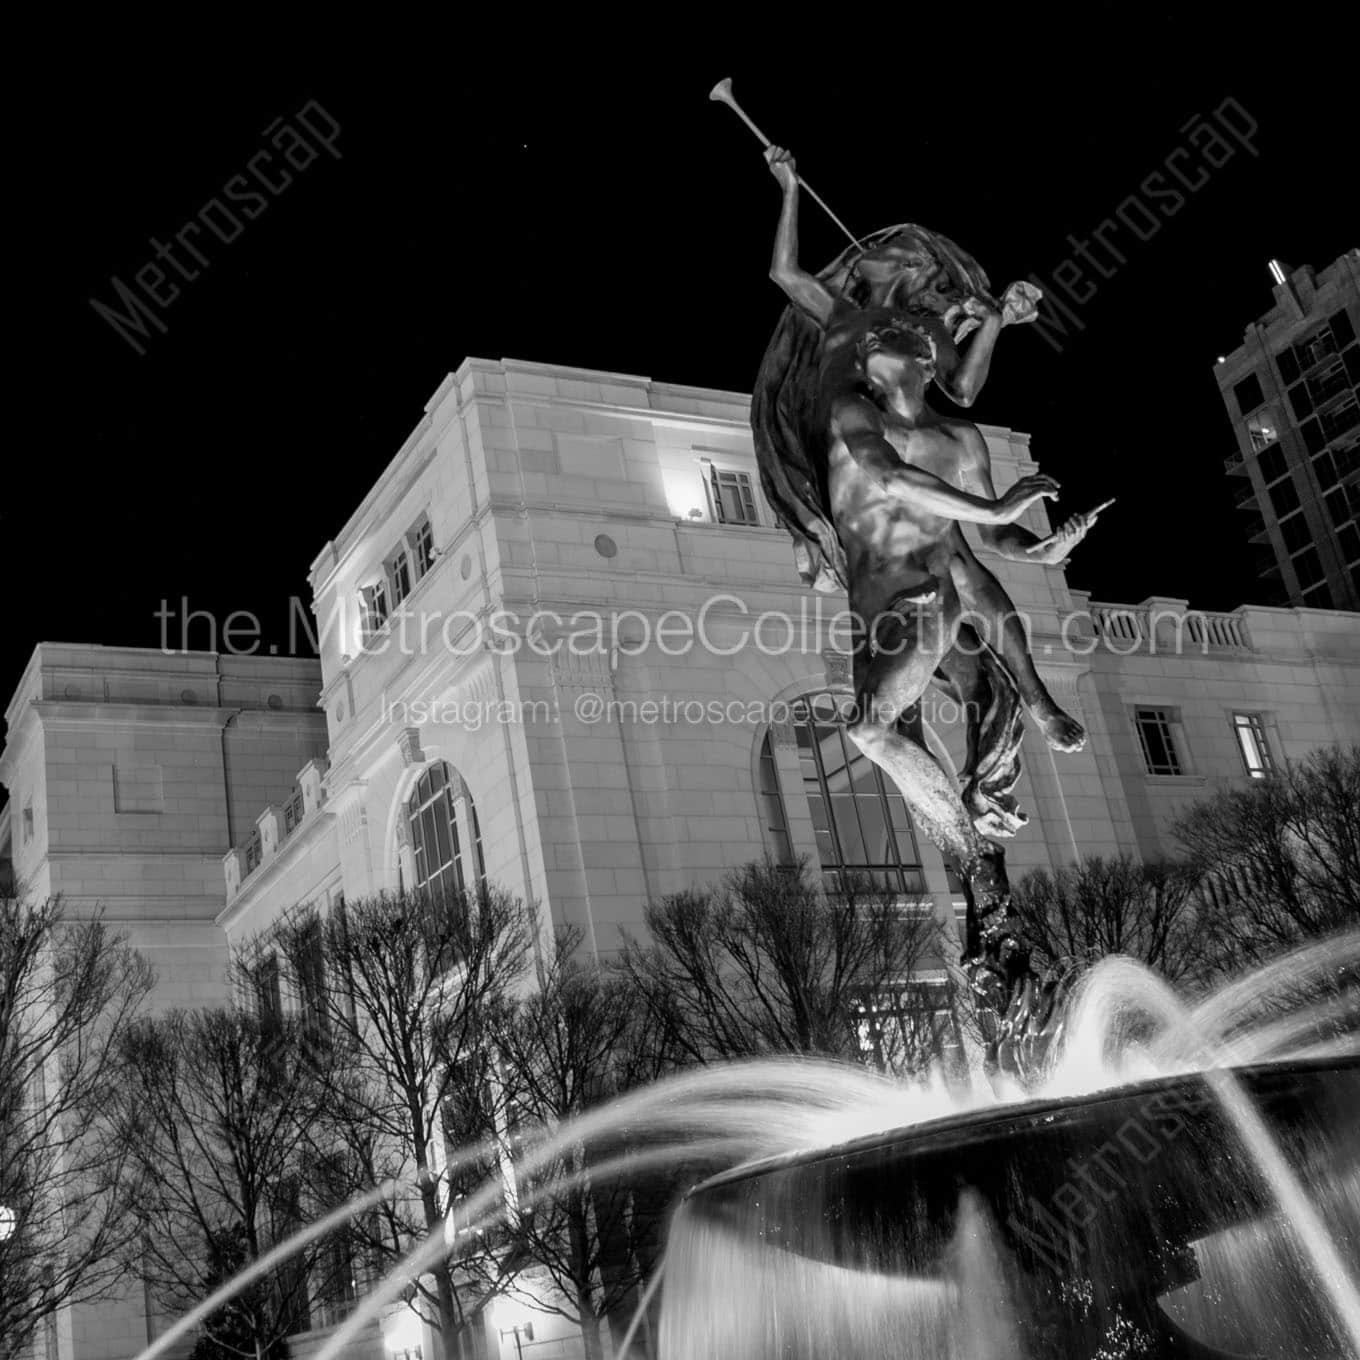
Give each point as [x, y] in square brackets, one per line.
[772, 804]
[268, 994]
[446, 840]
[859, 818]
[1156, 734]
[734, 499]
[399, 575]
[311, 977]
[377, 607]
[1250, 730]
[293, 811]
[422, 547]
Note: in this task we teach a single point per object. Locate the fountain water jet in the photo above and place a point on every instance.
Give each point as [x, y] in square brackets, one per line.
[925, 1267]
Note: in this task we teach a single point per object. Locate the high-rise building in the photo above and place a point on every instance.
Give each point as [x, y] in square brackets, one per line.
[1292, 389]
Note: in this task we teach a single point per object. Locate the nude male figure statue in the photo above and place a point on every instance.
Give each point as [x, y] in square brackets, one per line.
[902, 273]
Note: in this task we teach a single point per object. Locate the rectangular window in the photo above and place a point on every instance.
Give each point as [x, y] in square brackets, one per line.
[1338, 506]
[772, 802]
[1248, 393]
[1284, 496]
[1250, 730]
[292, 813]
[268, 995]
[1157, 737]
[1313, 439]
[28, 822]
[399, 575]
[733, 497]
[1272, 464]
[1308, 568]
[1328, 382]
[254, 853]
[311, 971]
[1342, 330]
[1315, 348]
[422, 547]
[1340, 418]
[1295, 532]
[376, 607]
[1348, 536]
[1262, 430]
[1301, 401]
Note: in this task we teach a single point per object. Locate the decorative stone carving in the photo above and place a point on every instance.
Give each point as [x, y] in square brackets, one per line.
[408, 743]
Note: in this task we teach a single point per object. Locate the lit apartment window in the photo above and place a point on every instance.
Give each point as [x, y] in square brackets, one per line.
[1156, 735]
[399, 575]
[858, 817]
[1262, 430]
[422, 547]
[1250, 730]
[732, 496]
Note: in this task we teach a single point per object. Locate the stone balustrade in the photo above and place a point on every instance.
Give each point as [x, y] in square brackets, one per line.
[274, 826]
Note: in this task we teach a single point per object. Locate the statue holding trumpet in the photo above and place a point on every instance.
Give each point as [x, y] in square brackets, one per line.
[874, 485]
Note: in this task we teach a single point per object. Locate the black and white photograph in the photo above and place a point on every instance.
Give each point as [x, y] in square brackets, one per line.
[682, 694]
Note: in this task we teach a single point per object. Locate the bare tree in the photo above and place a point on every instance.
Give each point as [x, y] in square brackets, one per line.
[580, 1038]
[221, 1106]
[771, 963]
[1079, 914]
[417, 983]
[68, 992]
[1279, 862]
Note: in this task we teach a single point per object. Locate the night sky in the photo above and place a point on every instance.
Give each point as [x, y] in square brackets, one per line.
[579, 205]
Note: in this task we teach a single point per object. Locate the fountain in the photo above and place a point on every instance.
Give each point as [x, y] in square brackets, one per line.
[1181, 1182]
[1130, 1223]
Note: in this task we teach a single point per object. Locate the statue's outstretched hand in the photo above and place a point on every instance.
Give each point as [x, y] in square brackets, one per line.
[782, 166]
[1018, 498]
[1020, 303]
[1055, 549]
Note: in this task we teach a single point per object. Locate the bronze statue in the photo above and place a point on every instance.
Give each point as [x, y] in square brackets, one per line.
[873, 484]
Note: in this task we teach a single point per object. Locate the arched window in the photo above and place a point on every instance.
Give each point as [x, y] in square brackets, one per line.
[446, 841]
[859, 818]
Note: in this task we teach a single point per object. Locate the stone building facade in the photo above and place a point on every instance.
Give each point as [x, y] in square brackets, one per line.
[562, 645]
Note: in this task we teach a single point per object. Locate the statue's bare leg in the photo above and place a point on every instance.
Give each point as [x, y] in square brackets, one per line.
[893, 667]
[993, 615]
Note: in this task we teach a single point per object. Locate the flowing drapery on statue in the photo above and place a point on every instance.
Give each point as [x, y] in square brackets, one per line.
[784, 415]
[874, 486]
[789, 424]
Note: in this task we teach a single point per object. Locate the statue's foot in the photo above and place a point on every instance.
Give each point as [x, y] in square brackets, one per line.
[1061, 731]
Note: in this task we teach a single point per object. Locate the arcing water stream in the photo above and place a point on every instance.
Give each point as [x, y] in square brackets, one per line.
[1144, 1201]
